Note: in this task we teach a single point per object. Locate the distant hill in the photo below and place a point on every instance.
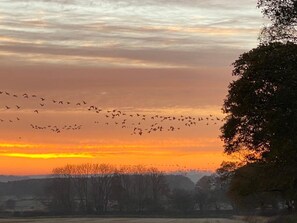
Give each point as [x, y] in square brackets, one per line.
[197, 175]
[193, 175]
[36, 187]
[7, 178]
[179, 182]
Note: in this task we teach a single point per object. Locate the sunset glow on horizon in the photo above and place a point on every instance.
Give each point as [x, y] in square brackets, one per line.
[121, 82]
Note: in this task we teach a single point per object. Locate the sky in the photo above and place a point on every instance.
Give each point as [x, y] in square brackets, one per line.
[91, 81]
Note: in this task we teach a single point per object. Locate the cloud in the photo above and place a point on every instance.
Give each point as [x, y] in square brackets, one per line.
[133, 57]
[134, 33]
[46, 155]
[125, 87]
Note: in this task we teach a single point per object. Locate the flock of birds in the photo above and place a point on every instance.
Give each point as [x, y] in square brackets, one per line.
[139, 124]
[57, 129]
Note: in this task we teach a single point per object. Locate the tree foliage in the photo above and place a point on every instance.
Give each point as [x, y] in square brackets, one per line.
[261, 109]
[252, 187]
[283, 14]
[262, 102]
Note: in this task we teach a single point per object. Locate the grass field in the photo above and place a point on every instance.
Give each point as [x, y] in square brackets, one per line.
[118, 220]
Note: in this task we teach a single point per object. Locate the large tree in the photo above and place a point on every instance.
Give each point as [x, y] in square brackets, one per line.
[261, 109]
[283, 15]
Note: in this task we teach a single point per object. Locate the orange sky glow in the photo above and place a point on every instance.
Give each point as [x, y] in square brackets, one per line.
[165, 160]
[120, 82]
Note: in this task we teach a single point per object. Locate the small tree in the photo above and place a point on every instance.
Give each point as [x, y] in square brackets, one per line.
[101, 180]
[61, 190]
[159, 187]
[81, 177]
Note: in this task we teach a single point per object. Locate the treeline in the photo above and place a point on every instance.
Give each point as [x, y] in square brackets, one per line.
[103, 188]
[106, 189]
[96, 187]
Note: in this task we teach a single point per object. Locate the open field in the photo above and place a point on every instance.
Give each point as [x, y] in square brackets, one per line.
[119, 220]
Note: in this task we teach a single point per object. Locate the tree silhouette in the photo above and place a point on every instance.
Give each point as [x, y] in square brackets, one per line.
[283, 15]
[261, 112]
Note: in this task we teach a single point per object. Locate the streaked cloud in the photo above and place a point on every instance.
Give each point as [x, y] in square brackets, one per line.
[45, 156]
[127, 32]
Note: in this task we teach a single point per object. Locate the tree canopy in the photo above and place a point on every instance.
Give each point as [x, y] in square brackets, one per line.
[283, 14]
[261, 109]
